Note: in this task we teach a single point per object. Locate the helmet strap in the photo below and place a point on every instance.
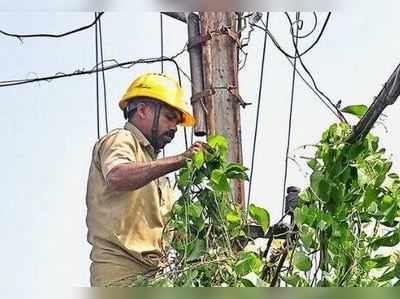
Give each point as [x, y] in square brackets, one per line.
[156, 123]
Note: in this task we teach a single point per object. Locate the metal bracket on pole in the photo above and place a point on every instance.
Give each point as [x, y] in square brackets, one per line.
[233, 90]
[232, 34]
[198, 40]
[202, 94]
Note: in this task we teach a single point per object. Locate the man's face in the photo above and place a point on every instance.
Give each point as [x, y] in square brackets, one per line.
[167, 125]
[169, 119]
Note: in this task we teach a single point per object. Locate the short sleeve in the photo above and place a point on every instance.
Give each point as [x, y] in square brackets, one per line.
[117, 149]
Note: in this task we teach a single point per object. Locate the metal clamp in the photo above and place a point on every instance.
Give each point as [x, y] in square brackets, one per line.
[198, 40]
[232, 34]
[233, 90]
[202, 94]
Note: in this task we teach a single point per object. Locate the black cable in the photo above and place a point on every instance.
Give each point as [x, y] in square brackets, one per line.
[162, 53]
[162, 40]
[314, 91]
[21, 36]
[312, 30]
[97, 80]
[290, 118]
[59, 75]
[104, 77]
[258, 112]
[186, 138]
[339, 113]
[297, 54]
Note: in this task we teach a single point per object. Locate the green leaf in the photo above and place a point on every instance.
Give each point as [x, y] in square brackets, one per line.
[183, 178]
[295, 280]
[198, 159]
[390, 240]
[313, 164]
[236, 171]
[219, 181]
[248, 262]
[261, 215]
[253, 280]
[197, 250]
[233, 218]
[195, 209]
[315, 179]
[164, 282]
[387, 276]
[397, 269]
[307, 236]
[357, 110]
[218, 142]
[376, 262]
[394, 176]
[302, 262]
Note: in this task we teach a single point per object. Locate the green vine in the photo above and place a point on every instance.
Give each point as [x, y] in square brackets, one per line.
[342, 232]
[209, 229]
[348, 215]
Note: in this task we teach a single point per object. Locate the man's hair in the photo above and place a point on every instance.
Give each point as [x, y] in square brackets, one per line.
[132, 105]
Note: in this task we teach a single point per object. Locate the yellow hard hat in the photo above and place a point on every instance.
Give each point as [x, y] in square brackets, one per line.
[159, 87]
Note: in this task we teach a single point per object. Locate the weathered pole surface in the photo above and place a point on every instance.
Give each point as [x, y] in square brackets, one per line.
[196, 72]
[220, 73]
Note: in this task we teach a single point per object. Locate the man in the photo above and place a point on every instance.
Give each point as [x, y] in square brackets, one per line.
[128, 199]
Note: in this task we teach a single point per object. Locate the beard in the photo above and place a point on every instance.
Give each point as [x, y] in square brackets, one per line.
[165, 138]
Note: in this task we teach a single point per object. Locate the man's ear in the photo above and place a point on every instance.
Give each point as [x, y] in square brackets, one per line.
[142, 111]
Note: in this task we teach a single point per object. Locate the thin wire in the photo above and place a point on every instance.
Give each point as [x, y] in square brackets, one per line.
[97, 80]
[290, 118]
[297, 54]
[21, 36]
[162, 53]
[104, 77]
[258, 112]
[162, 40]
[314, 91]
[339, 113]
[59, 75]
[312, 30]
[186, 138]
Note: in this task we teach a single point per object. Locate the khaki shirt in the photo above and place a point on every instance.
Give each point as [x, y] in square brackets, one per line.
[124, 228]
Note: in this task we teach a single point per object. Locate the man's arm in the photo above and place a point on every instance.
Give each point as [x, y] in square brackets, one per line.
[134, 175]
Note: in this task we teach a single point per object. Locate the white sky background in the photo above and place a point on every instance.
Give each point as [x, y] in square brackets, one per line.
[49, 128]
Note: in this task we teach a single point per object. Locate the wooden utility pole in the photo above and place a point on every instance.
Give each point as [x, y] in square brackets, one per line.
[220, 79]
[215, 100]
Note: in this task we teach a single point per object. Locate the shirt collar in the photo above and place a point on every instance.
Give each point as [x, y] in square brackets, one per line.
[140, 137]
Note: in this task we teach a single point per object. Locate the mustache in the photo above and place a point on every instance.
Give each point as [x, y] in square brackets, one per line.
[169, 133]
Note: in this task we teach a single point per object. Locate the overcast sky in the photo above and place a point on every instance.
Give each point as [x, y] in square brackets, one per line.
[49, 128]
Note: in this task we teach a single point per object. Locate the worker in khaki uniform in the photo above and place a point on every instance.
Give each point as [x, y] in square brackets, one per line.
[128, 198]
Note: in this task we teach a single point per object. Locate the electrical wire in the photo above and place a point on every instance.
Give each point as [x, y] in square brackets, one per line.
[79, 72]
[162, 40]
[290, 118]
[258, 112]
[162, 54]
[313, 90]
[338, 112]
[311, 31]
[21, 36]
[297, 54]
[104, 76]
[97, 79]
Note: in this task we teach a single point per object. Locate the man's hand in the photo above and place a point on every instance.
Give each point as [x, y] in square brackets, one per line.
[194, 148]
